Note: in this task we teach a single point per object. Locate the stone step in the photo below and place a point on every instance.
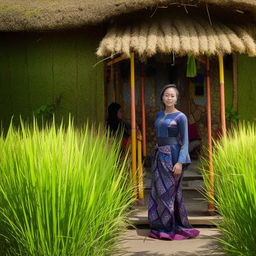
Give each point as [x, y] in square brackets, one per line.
[189, 194]
[193, 220]
[197, 185]
[193, 177]
[184, 188]
[196, 208]
[188, 181]
[196, 205]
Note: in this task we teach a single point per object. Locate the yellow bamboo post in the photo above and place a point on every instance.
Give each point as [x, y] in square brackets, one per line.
[133, 125]
[222, 96]
[211, 208]
[143, 111]
[140, 169]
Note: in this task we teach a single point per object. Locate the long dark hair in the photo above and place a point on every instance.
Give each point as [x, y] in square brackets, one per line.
[113, 121]
[116, 125]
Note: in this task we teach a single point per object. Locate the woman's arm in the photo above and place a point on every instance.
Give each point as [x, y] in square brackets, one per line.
[183, 131]
[183, 154]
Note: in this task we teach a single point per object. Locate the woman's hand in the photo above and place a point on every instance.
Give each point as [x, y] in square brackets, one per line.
[177, 169]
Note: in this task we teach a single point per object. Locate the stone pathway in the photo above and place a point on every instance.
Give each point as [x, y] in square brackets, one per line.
[136, 243]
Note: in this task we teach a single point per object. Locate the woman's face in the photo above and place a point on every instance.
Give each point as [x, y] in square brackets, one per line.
[169, 97]
[119, 114]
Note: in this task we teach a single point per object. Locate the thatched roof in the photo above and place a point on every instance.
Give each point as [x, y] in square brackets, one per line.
[17, 15]
[180, 35]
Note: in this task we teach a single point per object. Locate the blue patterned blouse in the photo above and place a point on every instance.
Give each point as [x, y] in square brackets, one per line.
[174, 125]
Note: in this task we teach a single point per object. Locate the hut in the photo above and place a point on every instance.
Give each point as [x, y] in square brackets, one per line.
[186, 28]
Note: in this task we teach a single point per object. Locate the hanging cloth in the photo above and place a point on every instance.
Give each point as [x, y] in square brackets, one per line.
[191, 66]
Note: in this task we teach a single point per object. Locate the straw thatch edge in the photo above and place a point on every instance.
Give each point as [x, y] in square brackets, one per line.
[180, 35]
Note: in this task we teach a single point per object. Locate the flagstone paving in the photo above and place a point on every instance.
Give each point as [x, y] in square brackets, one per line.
[136, 243]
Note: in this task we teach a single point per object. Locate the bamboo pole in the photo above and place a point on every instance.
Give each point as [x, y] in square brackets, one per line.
[140, 169]
[211, 207]
[133, 124]
[222, 96]
[143, 112]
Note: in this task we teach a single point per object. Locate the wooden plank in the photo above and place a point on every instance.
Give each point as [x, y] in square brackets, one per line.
[116, 60]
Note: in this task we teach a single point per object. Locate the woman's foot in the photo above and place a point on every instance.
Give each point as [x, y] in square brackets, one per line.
[189, 233]
[165, 236]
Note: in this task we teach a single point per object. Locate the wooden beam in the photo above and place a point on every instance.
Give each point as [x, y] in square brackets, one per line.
[143, 112]
[115, 60]
[211, 208]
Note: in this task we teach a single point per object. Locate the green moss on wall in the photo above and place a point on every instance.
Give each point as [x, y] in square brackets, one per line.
[35, 68]
[247, 87]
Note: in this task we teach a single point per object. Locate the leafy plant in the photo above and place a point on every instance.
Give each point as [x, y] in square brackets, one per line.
[234, 162]
[232, 115]
[62, 191]
[46, 111]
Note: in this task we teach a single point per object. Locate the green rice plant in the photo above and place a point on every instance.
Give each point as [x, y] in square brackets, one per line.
[63, 191]
[234, 161]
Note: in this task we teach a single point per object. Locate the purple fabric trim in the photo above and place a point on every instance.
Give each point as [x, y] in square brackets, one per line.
[179, 235]
[189, 233]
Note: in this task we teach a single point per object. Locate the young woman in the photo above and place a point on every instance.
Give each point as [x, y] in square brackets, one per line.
[166, 211]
